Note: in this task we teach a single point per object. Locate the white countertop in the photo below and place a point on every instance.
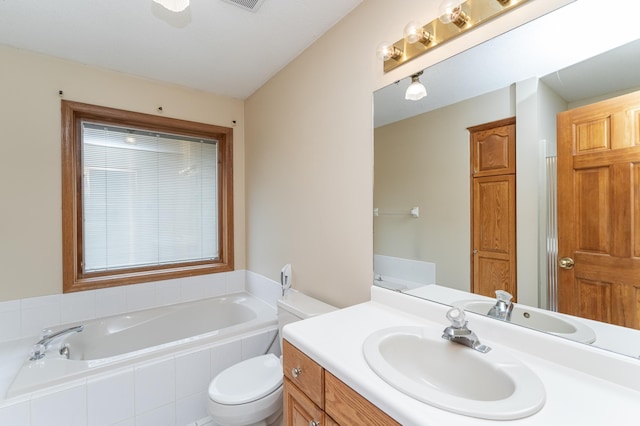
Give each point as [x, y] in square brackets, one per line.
[574, 396]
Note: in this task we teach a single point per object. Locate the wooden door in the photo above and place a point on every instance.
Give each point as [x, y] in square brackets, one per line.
[599, 211]
[493, 208]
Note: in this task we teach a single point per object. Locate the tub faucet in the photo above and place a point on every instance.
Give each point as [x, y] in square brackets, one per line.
[458, 332]
[42, 345]
[503, 307]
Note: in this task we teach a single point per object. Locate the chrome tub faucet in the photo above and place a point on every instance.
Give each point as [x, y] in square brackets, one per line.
[42, 345]
[503, 307]
[458, 332]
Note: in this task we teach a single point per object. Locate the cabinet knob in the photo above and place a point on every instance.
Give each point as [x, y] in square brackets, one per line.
[314, 423]
[295, 372]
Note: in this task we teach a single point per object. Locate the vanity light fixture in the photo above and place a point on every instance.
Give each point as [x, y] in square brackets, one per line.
[416, 89]
[419, 39]
[387, 51]
[451, 12]
[174, 5]
[414, 33]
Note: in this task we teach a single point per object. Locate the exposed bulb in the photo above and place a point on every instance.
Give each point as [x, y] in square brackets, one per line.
[386, 51]
[450, 11]
[413, 32]
[173, 5]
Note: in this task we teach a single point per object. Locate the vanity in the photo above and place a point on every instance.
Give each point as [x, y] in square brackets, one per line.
[329, 381]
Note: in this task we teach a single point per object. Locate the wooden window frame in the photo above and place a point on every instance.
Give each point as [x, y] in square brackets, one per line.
[74, 279]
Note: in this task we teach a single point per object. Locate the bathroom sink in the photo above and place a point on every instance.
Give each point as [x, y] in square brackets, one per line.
[537, 319]
[453, 377]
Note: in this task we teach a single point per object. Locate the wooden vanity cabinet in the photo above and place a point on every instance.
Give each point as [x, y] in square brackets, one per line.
[314, 397]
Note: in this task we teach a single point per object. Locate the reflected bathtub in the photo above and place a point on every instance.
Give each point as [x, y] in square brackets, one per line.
[120, 340]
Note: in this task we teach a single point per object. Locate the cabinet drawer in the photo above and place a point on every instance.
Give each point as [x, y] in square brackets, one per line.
[347, 407]
[305, 373]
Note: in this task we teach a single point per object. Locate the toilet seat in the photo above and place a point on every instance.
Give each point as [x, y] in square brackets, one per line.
[247, 381]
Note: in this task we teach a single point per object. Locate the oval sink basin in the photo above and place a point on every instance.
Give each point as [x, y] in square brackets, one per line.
[453, 377]
[537, 319]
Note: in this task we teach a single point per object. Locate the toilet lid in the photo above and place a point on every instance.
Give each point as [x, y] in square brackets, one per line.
[247, 381]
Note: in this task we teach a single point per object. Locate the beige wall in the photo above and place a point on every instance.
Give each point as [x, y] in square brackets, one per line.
[30, 183]
[310, 148]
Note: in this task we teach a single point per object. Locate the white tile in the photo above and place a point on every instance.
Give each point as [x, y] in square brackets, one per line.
[216, 285]
[154, 385]
[235, 281]
[263, 288]
[161, 416]
[224, 356]
[140, 296]
[64, 408]
[191, 408]
[192, 373]
[78, 306]
[10, 320]
[110, 301]
[168, 292]
[111, 399]
[37, 313]
[255, 345]
[128, 422]
[15, 414]
[193, 289]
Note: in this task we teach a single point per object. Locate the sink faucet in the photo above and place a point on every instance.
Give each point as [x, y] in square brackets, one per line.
[458, 332]
[42, 345]
[503, 307]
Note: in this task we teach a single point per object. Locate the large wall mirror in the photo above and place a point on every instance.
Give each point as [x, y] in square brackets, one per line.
[422, 171]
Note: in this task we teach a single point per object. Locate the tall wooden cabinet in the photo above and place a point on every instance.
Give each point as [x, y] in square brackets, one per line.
[315, 397]
[493, 207]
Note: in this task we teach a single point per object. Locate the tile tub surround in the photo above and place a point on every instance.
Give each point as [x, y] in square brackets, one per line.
[185, 403]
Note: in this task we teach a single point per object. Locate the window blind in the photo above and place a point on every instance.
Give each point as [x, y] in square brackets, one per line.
[148, 198]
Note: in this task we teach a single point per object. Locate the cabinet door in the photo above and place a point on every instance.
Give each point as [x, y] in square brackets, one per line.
[349, 408]
[298, 409]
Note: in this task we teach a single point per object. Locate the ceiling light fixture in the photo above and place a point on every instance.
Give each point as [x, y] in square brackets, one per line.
[416, 90]
[173, 5]
[450, 12]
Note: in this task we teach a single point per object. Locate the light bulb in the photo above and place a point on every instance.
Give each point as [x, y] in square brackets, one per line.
[450, 12]
[386, 51]
[412, 32]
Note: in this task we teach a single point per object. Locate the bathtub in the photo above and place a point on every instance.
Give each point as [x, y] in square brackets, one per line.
[117, 341]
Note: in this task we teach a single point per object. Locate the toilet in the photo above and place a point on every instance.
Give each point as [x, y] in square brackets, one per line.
[249, 393]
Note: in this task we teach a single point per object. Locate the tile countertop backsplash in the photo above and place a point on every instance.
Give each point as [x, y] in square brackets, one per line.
[584, 385]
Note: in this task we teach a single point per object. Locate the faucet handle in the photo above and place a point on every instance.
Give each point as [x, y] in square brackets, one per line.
[504, 296]
[456, 316]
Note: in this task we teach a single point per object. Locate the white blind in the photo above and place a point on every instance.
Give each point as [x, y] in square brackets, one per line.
[148, 198]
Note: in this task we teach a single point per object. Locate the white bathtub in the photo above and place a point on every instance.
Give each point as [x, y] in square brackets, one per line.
[116, 341]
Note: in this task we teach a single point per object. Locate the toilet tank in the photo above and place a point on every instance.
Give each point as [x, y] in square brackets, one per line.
[296, 306]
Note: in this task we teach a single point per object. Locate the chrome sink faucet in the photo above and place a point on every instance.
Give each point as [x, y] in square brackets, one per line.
[458, 332]
[503, 307]
[42, 345]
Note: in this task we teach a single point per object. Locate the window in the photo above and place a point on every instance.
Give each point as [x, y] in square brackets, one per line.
[144, 198]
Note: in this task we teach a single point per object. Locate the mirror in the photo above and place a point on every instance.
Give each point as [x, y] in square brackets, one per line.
[422, 151]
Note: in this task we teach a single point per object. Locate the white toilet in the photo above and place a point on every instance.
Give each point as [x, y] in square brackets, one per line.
[250, 393]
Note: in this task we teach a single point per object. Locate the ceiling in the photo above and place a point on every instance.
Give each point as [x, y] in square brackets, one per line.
[213, 45]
